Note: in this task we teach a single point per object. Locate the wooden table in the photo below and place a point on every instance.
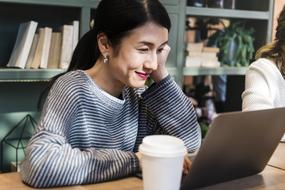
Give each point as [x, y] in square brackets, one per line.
[278, 158]
[272, 178]
[12, 181]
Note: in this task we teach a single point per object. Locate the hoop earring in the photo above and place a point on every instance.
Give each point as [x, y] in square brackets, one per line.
[105, 59]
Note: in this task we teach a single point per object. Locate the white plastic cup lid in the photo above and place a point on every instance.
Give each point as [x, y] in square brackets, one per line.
[162, 146]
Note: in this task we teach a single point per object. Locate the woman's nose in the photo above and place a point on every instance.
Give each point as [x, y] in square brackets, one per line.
[152, 62]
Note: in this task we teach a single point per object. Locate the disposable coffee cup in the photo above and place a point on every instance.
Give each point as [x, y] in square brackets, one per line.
[162, 162]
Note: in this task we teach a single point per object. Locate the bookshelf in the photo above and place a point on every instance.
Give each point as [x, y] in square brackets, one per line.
[12, 15]
[64, 11]
[257, 14]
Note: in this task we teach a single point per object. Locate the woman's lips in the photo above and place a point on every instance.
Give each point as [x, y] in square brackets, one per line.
[142, 75]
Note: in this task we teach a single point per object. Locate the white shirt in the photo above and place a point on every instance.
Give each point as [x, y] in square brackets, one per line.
[264, 86]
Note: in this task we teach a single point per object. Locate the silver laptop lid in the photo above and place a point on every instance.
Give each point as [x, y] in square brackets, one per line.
[238, 144]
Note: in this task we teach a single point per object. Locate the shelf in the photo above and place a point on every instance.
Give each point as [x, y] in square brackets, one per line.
[229, 13]
[66, 3]
[39, 75]
[194, 71]
[28, 75]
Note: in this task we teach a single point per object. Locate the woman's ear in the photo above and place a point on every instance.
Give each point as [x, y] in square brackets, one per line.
[103, 44]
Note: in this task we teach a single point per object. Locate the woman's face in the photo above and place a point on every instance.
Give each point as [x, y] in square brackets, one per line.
[138, 55]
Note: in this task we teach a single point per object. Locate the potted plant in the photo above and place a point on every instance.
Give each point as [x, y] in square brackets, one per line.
[235, 43]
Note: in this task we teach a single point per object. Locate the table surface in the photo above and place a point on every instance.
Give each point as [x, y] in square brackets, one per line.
[278, 158]
[272, 178]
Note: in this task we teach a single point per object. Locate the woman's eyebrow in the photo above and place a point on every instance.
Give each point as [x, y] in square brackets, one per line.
[152, 44]
[164, 43]
[146, 43]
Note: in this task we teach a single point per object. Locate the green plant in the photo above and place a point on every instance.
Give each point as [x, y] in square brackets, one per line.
[235, 43]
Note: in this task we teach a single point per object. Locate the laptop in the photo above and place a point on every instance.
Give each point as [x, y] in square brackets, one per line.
[238, 144]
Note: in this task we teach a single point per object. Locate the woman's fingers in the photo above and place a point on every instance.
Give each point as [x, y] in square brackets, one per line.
[186, 165]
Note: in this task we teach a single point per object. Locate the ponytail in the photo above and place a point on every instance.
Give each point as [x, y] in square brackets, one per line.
[86, 52]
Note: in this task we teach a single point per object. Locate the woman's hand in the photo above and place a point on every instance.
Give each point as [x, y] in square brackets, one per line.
[139, 156]
[186, 165]
[161, 71]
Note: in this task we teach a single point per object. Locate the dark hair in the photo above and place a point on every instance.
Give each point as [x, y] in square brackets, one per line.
[114, 18]
[275, 50]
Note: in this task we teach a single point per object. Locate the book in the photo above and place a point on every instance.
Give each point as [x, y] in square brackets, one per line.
[206, 58]
[75, 38]
[42, 51]
[32, 51]
[195, 47]
[36, 59]
[46, 47]
[23, 44]
[195, 61]
[211, 49]
[55, 51]
[66, 46]
[190, 36]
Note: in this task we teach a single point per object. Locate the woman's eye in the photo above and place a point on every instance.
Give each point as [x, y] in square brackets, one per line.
[143, 49]
[159, 50]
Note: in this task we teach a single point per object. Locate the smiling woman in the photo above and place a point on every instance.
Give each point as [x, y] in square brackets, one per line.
[97, 113]
[139, 55]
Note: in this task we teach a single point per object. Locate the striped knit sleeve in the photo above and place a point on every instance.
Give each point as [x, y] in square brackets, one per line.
[173, 111]
[51, 161]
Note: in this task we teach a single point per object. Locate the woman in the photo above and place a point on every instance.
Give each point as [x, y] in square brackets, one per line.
[264, 82]
[98, 112]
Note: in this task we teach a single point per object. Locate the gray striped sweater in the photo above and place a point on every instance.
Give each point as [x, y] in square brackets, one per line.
[86, 135]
